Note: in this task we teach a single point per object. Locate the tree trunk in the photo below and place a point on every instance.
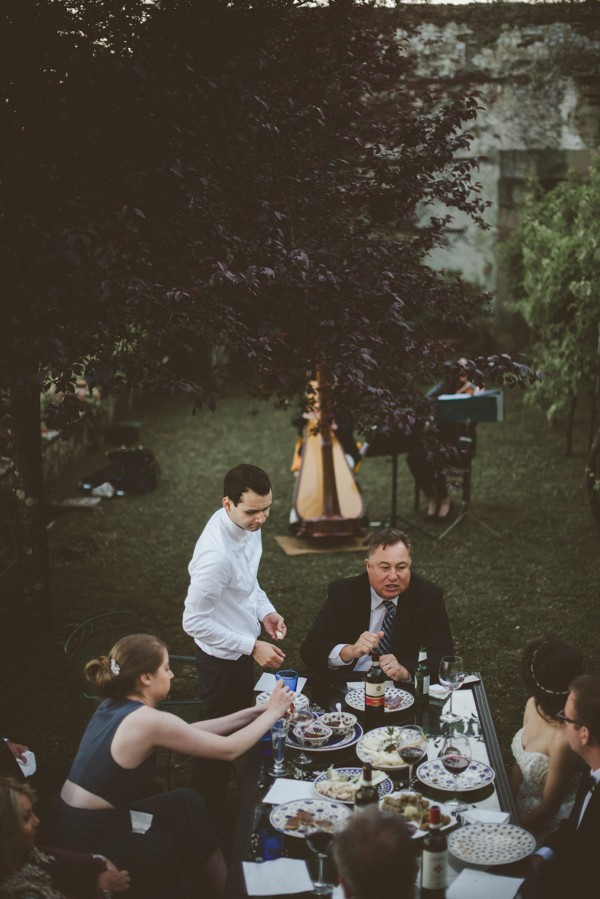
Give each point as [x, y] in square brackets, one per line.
[32, 539]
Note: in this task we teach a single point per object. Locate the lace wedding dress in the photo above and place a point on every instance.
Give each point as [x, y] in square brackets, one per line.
[534, 767]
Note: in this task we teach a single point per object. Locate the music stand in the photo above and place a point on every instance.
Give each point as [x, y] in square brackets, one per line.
[469, 409]
[392, 445]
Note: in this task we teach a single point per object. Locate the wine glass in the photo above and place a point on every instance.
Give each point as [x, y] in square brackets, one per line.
[301, 722]
[318, 840]
[451, 675]
[412, 748]
[455, 756]
[279, 732]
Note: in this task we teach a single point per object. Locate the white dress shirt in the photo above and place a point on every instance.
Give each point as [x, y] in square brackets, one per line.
[378, 611]
[225, 603]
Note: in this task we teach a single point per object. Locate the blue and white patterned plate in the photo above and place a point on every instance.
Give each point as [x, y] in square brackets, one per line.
[433, 774]
[386, 786]
[396, 700]
[300, 700]
[293, 818]
[491, 844]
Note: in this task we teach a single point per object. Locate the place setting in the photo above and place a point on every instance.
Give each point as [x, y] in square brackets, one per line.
[396, 699]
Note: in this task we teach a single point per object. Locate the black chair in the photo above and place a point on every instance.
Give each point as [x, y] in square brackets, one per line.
[96, 637]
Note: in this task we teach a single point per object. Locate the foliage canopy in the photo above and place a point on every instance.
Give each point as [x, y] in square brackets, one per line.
[556, 281]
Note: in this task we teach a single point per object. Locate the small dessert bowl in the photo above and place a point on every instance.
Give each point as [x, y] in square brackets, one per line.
[313, 736]
[340, 724]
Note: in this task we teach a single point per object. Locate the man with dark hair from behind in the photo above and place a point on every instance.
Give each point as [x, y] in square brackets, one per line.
[376, 856]
[568, 863]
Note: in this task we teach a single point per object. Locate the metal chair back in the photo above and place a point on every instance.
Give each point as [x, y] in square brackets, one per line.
[95, 638]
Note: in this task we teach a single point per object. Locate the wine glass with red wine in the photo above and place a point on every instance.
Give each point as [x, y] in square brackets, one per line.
[318, 840]
[455, 756]
[412, 749]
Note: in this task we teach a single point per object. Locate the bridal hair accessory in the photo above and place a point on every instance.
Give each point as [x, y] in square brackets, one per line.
[116, 668]
[536, 681]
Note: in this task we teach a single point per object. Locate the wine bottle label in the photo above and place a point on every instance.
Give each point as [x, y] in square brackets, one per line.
[375, 695]
[426, 681]
[434, 870]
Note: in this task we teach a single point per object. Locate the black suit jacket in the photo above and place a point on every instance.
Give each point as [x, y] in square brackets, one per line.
[421, 620]
[575, 869]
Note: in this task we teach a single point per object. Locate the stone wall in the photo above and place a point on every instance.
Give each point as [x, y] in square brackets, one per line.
[537, 68]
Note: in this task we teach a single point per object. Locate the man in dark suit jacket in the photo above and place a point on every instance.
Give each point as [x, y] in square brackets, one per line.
[569, 862]
[350, 624]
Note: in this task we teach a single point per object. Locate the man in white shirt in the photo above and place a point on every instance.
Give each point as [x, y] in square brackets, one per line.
[225, 606]
[225, 603]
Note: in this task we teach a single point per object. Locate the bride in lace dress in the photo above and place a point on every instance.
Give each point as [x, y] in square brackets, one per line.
[545, 773]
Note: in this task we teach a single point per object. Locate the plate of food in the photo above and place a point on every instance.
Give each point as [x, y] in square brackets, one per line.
[491, 844]
[380, 747]
[477, 775]
[341, 784]
[294, 818]
[300, 700]
[336, 741]
[414, 808]
[396, 700]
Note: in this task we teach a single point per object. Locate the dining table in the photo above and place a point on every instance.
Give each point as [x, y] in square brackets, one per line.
[256, 840]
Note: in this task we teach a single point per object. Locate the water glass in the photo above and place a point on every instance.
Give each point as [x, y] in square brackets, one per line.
[289, 677]
[279, 732]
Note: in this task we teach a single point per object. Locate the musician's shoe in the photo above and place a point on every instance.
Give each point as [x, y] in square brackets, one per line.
[444, 510]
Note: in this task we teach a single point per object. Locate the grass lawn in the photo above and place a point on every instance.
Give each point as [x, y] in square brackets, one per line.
[543, 575]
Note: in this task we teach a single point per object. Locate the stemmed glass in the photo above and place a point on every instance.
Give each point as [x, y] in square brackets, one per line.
[301, 722]
[318, 840]
[455, 756]
[279, 732]
[412, 749]
[451, 675]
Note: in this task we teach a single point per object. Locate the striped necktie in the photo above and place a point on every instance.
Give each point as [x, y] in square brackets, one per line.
[385, 644]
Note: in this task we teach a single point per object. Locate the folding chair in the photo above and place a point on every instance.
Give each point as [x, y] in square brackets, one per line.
[96, 637]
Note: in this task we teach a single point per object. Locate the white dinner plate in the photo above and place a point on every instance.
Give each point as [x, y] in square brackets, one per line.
[386, 786]
[370, 748]
[418, 831]
[491, 844]
[300, 700]
[433, 774]
[335, 741]
[318, 811]
[396, 700]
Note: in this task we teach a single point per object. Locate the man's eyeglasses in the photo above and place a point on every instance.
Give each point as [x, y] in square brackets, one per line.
[560, 716]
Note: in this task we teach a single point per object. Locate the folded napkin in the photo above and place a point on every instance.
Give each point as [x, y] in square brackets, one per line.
[267, 682]
[284, 790]
[436, 691]
[283, 875]
[485, 816]
[473, 884]
[28, 767]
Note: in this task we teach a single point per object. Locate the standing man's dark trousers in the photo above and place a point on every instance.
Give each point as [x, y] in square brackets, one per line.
[225, 686]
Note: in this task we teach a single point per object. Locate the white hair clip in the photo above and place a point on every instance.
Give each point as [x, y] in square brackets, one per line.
[115, 667]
